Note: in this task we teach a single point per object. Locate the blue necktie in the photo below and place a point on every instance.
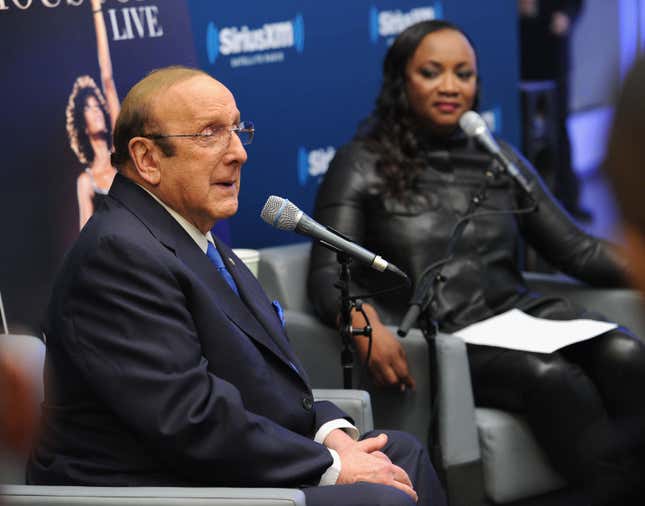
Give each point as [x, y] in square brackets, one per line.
[214, 256]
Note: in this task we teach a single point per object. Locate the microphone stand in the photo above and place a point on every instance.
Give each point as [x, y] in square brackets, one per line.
[347, 304]
[347, 331]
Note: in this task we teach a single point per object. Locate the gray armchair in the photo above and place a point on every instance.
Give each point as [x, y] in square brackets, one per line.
[488, 456]
[29, 353]
[282, 273]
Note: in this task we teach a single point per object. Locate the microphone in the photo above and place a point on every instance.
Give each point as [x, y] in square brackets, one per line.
[282, 214]
[409, 319]
[475, 126]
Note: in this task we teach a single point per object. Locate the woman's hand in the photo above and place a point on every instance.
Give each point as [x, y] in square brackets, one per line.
[388, 362]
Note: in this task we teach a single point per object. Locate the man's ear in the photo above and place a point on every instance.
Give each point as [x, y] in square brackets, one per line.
[145, 157]
[635, 255]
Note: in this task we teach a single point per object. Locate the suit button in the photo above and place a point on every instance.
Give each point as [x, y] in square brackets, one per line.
[307, 403]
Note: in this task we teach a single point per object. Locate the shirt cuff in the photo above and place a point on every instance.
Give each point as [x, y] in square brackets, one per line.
[339, 423]
[330, 477]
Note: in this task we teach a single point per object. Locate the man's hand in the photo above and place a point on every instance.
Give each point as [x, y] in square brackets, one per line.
[388, 363]
[363, 461]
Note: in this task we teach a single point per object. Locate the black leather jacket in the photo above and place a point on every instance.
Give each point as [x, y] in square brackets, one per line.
[484, 277]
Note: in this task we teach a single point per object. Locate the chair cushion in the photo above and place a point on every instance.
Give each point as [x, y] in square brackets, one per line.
[514, 465]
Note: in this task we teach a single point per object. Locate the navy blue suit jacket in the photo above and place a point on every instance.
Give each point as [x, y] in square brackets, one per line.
[157, 373]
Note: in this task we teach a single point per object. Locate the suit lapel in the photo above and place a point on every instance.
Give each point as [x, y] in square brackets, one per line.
[257, 302]
[247, 311]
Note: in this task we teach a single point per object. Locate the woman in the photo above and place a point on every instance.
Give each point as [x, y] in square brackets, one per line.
[401, 187]
[90, 121]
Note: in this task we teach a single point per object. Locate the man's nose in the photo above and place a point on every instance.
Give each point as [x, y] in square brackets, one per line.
[236, 149]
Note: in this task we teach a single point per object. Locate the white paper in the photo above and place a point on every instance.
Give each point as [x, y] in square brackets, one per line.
[517, 330]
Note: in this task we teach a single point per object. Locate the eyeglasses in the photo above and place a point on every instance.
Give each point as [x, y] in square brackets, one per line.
[244, 130]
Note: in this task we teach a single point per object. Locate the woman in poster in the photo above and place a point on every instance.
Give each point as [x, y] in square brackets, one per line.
[91, 115]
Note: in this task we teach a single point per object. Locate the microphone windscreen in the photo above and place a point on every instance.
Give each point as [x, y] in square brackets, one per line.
[471, 122]
[280, 213]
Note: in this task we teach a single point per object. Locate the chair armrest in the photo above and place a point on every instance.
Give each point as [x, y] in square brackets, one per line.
[408, 411]
[622, 305]
[319, 347]
[14, 495]
[356, 403]
[457, 428]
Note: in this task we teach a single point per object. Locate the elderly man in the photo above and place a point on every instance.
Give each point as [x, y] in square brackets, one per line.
[166, 363]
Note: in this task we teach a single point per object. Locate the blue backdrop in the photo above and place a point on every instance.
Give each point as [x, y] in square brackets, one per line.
[307, 72]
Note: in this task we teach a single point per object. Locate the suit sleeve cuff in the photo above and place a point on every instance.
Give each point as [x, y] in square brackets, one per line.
[339, 423]
[330, 476]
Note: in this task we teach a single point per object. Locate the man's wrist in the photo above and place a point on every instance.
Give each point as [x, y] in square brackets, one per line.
[338, 440]
[340, 423]
[330, 476]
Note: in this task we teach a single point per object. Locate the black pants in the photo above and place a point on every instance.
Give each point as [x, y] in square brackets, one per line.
[403, 450]
[584, 403]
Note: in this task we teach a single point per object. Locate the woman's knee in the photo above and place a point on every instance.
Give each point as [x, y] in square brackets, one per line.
[544, 373]
[622, 350]
[619, 371]
[553, 371]
[562, 386]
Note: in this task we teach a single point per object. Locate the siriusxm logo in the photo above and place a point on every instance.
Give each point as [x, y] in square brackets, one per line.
[233, 40]
[493, 118]
[391, 23]
[313, 163]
